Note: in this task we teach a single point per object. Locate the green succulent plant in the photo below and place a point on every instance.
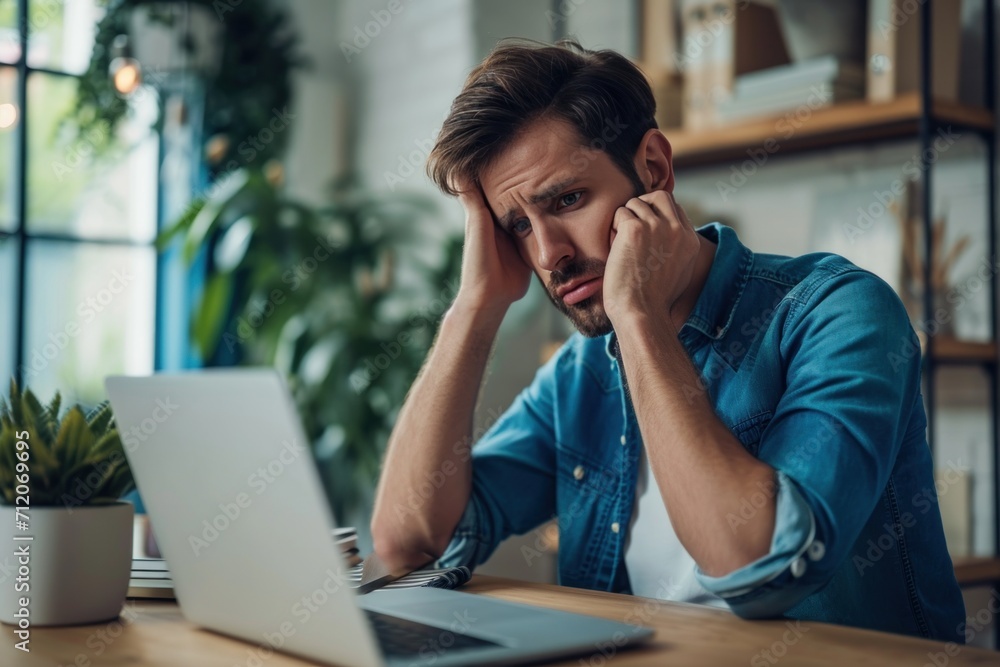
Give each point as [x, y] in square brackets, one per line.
[72, 461]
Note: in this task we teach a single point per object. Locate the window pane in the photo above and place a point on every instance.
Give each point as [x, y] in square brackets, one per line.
[61, 33]
[10, 38]
[90, 314]
[10, 116]
[8, 306]
[69, 193]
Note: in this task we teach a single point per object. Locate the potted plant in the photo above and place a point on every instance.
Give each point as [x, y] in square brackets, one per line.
[60, 480]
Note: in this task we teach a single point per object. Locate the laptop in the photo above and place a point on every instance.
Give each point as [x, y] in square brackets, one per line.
[241, 518]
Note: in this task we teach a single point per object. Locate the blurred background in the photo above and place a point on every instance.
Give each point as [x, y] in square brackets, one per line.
[241, 182]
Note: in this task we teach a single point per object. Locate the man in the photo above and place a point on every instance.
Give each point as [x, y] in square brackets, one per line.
[730, 428]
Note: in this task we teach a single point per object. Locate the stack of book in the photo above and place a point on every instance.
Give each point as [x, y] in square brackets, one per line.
[808, 85]
[151, 577]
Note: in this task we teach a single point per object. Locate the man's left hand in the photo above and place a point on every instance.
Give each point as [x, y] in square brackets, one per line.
[654, 249]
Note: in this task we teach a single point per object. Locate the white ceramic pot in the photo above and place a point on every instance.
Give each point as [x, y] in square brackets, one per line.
[78, 564]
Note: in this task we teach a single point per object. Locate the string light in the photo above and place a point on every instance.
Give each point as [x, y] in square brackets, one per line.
[125, 71]
[8, 115]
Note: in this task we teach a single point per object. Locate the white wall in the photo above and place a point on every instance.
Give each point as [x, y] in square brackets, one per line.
[317, 149]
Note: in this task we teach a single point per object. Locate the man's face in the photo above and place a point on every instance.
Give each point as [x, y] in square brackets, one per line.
[557, 198]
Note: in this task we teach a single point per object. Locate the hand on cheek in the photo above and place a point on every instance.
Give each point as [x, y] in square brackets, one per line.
[651, 264]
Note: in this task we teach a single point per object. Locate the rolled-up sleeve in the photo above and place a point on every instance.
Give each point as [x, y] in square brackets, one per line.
[513, 473]
[761, 588]
[834, 437]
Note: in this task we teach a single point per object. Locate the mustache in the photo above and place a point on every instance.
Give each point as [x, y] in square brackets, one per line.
[579, 269]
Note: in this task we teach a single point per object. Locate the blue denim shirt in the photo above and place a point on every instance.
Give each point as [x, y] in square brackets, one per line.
[813, 365]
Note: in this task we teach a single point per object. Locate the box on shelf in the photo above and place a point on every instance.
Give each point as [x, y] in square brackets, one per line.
[815, 84]
[894, 48]
[721, 41]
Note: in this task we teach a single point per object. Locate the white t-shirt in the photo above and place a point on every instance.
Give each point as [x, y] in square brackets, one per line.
[657, 563]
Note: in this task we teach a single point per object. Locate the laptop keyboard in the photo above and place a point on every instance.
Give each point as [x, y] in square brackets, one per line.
[399, 637]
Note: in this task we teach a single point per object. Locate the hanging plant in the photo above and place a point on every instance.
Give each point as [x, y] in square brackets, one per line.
[243, 91]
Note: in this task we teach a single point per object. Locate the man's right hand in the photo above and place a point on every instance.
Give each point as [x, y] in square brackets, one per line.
[493, 273]
[433, 431]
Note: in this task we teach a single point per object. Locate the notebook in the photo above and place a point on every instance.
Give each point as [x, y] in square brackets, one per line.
[150, 577]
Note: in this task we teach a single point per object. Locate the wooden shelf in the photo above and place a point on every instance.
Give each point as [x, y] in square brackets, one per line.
[960, 351]
[849, 122]
[976, 571]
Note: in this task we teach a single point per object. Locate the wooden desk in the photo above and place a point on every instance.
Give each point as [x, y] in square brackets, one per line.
[153, 633]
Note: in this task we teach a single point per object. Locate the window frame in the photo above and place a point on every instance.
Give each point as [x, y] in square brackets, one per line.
[23, 238]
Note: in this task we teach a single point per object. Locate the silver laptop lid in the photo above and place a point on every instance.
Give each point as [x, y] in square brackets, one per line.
[207, 450]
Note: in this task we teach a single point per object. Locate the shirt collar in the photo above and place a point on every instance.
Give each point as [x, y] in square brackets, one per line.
[715, 308]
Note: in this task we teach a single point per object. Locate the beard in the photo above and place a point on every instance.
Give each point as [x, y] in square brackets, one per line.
[588, 316]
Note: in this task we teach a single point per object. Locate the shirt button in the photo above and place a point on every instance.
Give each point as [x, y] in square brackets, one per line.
[799, 567]
[718, 331]
[816, 550]
[615, 527]
[578, 472]
[623, 439]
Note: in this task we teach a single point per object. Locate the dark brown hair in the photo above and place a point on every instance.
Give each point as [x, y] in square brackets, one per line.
[522, 81]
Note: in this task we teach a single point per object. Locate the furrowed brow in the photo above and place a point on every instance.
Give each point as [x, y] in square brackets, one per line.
[544, 195]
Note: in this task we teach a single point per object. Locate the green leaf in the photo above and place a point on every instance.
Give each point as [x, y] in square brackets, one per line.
[210, 215]
[100, 418]
[52, 412]
[182, 225]
[75, 438]
[206, 327]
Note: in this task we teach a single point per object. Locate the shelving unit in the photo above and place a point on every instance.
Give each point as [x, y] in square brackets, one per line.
[915, 115]
[850, 122]
[952, 351]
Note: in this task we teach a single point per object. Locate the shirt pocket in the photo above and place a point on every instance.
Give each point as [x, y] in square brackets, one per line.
[749, 430]
[584, 476]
